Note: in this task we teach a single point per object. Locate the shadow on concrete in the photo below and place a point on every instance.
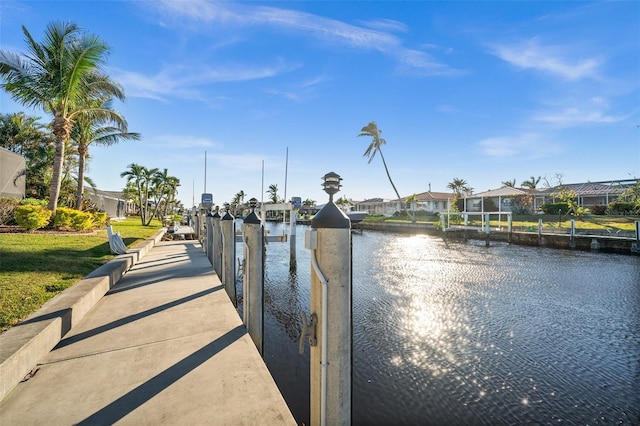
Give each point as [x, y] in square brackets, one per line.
[127, 403]
[155, 278]
[131, 318]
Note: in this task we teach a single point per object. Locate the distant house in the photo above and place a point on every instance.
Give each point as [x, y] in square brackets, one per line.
[591, 194]
[505, 199]
[112, 202]
[12, 178]
[430, 202]
[377, 206]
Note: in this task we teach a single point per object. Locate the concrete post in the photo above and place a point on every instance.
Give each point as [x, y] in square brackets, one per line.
[509, 226]
[292, 240]
[539, 231]
[637, 222]
[442, 221]
[572, 234]
[217, 245]
[253, 279]
[487, 228]
[229, 256]
[331, 295]
[209, 240]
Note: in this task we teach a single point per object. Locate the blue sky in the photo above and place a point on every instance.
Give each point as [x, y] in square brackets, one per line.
[483, 91]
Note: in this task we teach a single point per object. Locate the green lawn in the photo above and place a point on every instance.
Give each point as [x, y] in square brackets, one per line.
[613, 223]
[36, 267]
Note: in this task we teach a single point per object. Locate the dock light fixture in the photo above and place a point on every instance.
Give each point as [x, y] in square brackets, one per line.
[331, 184]
[253, 203]
[226, 207]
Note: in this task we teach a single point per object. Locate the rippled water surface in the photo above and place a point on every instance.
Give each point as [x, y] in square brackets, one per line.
[464, 334]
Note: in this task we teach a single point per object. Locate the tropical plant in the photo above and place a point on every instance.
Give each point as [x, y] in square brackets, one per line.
[532, 183]
[59, 75]
[308, 203]
[139, 188]
[237, 200]
[273, 193]
[411, 200]
[25, 136]
[105, 130]
[459, 187]
[371, 130]
[509, 183]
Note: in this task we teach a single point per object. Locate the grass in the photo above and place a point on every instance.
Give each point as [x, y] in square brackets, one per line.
[36, 267]
[613, 223]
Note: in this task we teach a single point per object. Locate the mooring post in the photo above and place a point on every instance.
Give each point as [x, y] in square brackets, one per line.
[229, 255]
[217, 244]
[209, 245]
[331, 300]
[196, 223]
[487, 228]
[442, 222]
[292, 240]
[572, 234]
[637, 222]
[539, 231]
[509, 226]
[253, 276]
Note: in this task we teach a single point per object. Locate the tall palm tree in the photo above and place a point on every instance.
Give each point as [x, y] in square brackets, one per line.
[509, 183]
[104, 131]
[142, 180]
[371, 130]
[459, 186]
[59, 75]
[273, 193]
[531, 183]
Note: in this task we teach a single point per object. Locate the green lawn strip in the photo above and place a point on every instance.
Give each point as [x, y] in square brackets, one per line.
[529, 222]
[36, 267]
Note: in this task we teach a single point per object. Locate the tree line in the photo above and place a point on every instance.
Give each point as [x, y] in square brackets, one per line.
[64, 77]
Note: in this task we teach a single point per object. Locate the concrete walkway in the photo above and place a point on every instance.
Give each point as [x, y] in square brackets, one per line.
[164, 346]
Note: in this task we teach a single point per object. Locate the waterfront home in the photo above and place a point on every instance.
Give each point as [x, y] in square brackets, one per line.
[430, 202]
[504, 199]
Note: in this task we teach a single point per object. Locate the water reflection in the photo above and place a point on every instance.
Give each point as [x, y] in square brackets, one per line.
[465, 334]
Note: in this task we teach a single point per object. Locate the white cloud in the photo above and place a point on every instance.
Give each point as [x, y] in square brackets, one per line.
[556, 60]
[318, 27]
[590, 111]
[179, 81]
[527, 145]
[184, 141]
[575, 116]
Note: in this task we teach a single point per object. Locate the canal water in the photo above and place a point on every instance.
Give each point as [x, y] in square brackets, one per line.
[459, 333]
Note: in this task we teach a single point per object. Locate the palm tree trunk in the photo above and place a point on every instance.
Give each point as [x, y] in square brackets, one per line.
[56, 179]
[82, 160]
[402, 206]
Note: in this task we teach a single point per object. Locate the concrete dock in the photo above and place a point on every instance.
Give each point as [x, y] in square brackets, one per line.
[164, 346]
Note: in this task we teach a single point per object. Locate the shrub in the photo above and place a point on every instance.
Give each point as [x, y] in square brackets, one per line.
[100, 219]
[599, 210]
[77, 220]
[552, 208]
[7, 208]
[33, 202]
[619, 207]
[32, 217]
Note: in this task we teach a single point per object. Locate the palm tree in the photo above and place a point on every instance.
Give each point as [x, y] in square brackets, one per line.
[509, 183]
[458, 186]
[371, 130]
[412, 200]
[104, 131]
[308, 203]
[237, 200]
[141, 179]
[531, 183]
[273, 193]
[59, 75]
[24, 135]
